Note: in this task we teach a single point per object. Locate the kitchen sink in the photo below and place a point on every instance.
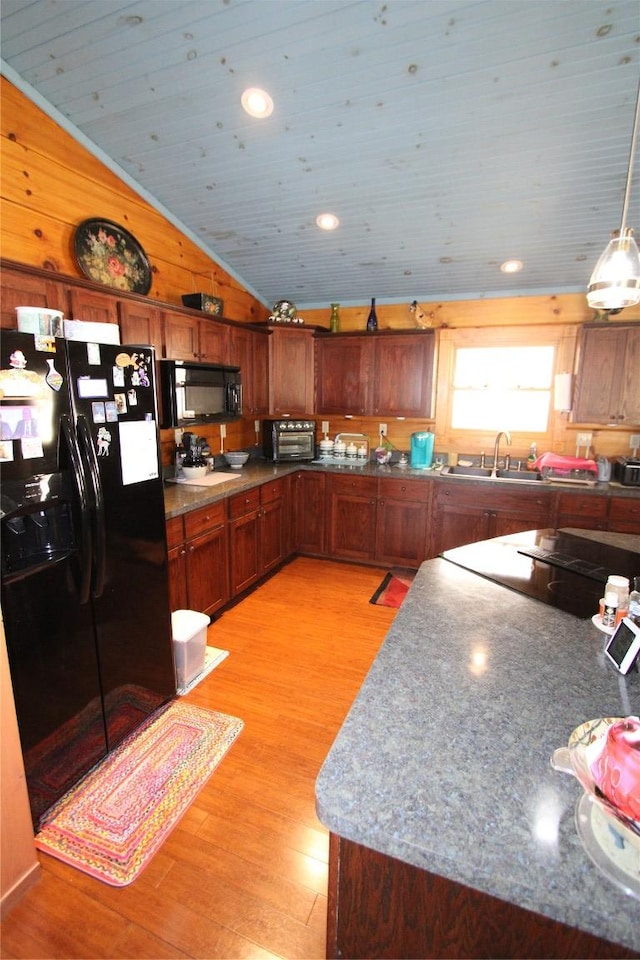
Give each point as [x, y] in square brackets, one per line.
[484, 473]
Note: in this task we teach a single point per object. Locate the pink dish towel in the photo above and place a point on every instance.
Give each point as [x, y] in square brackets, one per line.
[555, 461]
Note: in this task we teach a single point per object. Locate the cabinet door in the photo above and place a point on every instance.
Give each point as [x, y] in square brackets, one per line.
[403, 375]
[90, 305]
[249, 350]
[272, 535]
[402, 522]
[24, 290]
[178, 596]
[244, 565]
[343, 370]
[624, 514]
[140, 323]
[309, 519]
[290, 371]
[207, 571]
[181, 337]
[214, 341]
[352, 517]
[601, 389]
[456, 521]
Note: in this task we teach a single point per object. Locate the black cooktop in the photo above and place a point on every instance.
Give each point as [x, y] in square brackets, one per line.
[562, 569]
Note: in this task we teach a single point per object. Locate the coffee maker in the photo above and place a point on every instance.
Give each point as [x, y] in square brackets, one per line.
[422, 450]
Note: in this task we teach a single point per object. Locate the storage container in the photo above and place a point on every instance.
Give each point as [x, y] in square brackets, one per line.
[40, 321]
[189, 629]
[91, 332]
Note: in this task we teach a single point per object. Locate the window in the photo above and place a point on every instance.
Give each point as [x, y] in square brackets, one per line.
[502, 388]
[501, 378]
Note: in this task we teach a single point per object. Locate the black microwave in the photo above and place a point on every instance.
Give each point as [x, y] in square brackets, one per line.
[199, 393]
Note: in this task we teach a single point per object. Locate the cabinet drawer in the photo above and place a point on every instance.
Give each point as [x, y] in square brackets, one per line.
[624, 508]
[360, 486]
[274, 490]
[243, 503]
[175, 532]
[570, 505]
[405, 490]
[204, 518]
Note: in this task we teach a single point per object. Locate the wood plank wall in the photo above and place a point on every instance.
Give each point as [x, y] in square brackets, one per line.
[50, 183]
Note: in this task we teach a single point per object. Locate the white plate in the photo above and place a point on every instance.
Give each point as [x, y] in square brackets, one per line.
[596, 620]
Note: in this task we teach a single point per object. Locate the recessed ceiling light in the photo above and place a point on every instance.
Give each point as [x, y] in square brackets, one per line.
[511, 266]
[327, 221]
[257, 103]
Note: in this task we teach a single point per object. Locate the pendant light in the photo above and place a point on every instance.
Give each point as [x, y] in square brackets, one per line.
[615, 282]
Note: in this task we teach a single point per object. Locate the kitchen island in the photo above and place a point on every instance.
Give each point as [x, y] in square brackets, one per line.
[451, 835]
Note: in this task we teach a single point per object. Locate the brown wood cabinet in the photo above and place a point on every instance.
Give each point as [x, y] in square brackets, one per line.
[198, 563]
[466, 514]
[343, 371]
[381, 907]
[248, 349]
[308, 497]
[608, 387]
[92, 305]
[624, 514]
[141, 323]
[379, 520]
[386, 374]
[258, 534]
[580, 510]
[402, 522]
[20, 289]
[193, 338]
[291, 371]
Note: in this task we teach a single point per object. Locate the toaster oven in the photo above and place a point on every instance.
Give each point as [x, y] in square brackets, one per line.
[289, 440]
[626, 470]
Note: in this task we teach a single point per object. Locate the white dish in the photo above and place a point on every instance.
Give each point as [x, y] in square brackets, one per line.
[596, 620]
[610, 843]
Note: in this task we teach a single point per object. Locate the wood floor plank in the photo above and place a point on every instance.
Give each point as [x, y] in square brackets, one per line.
[243, 875]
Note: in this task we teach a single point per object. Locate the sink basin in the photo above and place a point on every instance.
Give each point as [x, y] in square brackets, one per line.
[484, 473]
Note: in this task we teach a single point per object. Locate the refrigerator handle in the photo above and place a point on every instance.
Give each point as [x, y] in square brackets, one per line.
[99, 530]
[85, 546]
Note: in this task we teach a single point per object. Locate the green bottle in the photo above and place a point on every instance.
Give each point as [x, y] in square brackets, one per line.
[372, 320]
[334, 319]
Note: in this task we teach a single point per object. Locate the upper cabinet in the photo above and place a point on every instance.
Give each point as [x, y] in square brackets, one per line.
[248, 350]
[388, 373]
[20, 289]
[193, 338]
[290, 371]
[608, 386]
[140, 323]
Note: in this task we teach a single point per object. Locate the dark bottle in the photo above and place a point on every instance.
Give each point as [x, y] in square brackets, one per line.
[372, 320]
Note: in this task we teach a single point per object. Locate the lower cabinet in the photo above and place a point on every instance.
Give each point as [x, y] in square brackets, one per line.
[198, 564]
[308, 496]
[380, 520]
[258, 534]
[468, 514]
[624, 515]
[578, 510]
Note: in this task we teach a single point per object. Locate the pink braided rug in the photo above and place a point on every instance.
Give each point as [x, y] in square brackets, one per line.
[111, 823]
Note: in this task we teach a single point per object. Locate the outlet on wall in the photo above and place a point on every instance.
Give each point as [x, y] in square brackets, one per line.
[325, 426]
[382, 429]
[584, 439]
[223, 430]
[634, 441]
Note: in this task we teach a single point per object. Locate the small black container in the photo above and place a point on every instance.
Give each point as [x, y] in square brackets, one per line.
[204, 302]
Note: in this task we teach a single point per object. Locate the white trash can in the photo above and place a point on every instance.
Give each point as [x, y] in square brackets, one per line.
[189, 630]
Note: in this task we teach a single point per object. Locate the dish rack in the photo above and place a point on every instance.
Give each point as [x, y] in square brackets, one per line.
[584, 478]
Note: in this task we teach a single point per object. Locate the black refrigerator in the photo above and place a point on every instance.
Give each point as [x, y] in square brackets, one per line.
[84, 577]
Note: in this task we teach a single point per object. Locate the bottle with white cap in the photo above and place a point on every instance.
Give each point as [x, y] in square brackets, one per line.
[618, 586]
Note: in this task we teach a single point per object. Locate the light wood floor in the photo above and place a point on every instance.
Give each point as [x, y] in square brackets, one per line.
[244, 874]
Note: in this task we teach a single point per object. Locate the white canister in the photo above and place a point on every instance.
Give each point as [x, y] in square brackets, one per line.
[351, 450]
[339, 448]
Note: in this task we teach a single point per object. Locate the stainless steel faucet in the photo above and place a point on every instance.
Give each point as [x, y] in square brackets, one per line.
[507, 436]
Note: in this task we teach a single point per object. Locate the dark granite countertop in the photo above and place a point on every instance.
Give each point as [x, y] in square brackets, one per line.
[444, 759]
[179, 498]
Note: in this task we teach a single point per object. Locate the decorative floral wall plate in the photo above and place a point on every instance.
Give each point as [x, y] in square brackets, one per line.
[109, 254]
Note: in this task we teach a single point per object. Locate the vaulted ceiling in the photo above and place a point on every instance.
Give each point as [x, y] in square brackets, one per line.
[446, 135]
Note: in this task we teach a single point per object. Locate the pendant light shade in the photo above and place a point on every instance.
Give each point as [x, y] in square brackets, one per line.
[615, 282]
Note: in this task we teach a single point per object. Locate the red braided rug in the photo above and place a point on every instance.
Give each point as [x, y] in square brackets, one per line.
[112, 822]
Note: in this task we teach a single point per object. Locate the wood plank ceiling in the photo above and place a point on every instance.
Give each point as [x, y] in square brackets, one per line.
[447, 135]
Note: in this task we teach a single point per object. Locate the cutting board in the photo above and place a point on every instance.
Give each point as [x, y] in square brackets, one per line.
[209, 479]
